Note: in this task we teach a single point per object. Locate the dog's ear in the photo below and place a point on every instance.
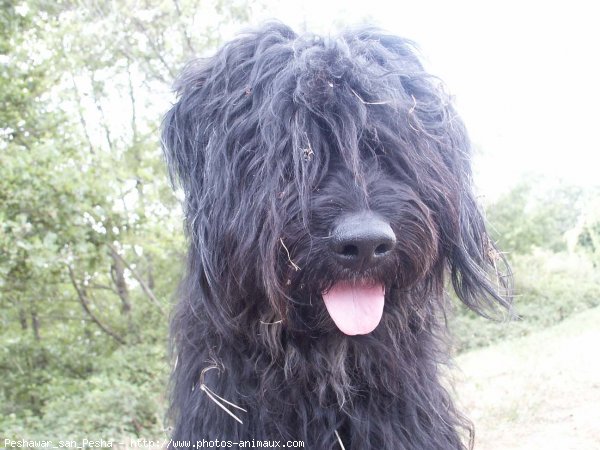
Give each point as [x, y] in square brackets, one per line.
[211, 93]
[480, 273]
[184, 135]
[439, 156]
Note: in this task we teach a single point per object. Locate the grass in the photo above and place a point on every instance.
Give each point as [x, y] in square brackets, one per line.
[540, 391]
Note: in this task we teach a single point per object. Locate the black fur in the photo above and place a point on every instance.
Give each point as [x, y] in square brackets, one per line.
[272, 140]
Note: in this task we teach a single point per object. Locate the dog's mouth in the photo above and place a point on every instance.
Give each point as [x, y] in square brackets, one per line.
[356, 308]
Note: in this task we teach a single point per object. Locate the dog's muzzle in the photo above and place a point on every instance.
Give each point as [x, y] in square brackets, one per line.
[359, 242]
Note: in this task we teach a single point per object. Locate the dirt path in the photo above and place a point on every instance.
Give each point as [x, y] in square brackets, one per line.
[540, 392]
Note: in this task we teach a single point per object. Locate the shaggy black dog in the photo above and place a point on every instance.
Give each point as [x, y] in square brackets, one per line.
[328, 193]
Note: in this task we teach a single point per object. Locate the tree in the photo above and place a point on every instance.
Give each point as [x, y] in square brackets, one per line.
[588, 230]
[91, 239]
[533, 215]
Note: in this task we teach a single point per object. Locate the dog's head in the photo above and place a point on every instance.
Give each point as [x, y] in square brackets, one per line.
[325, 174]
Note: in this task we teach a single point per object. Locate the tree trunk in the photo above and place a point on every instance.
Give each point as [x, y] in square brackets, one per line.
[35, 325]
[23, 319]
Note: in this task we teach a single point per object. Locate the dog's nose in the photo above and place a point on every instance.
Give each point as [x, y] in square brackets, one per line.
[361, 241]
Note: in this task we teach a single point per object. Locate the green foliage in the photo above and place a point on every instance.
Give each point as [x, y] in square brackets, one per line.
[91, 242]
[83, 393]
[533, 215]
[549, 288]
[587, 234]
[554, 277]
[124, 397]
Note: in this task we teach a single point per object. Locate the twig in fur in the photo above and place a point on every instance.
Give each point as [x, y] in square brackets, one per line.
[214, 396]
[339, 440]
[294, 265]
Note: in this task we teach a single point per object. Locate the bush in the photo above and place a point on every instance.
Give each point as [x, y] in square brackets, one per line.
[122, 397]
[106, 407]
[549, 287]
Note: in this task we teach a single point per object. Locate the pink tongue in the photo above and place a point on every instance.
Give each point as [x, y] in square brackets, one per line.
[355, 309]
